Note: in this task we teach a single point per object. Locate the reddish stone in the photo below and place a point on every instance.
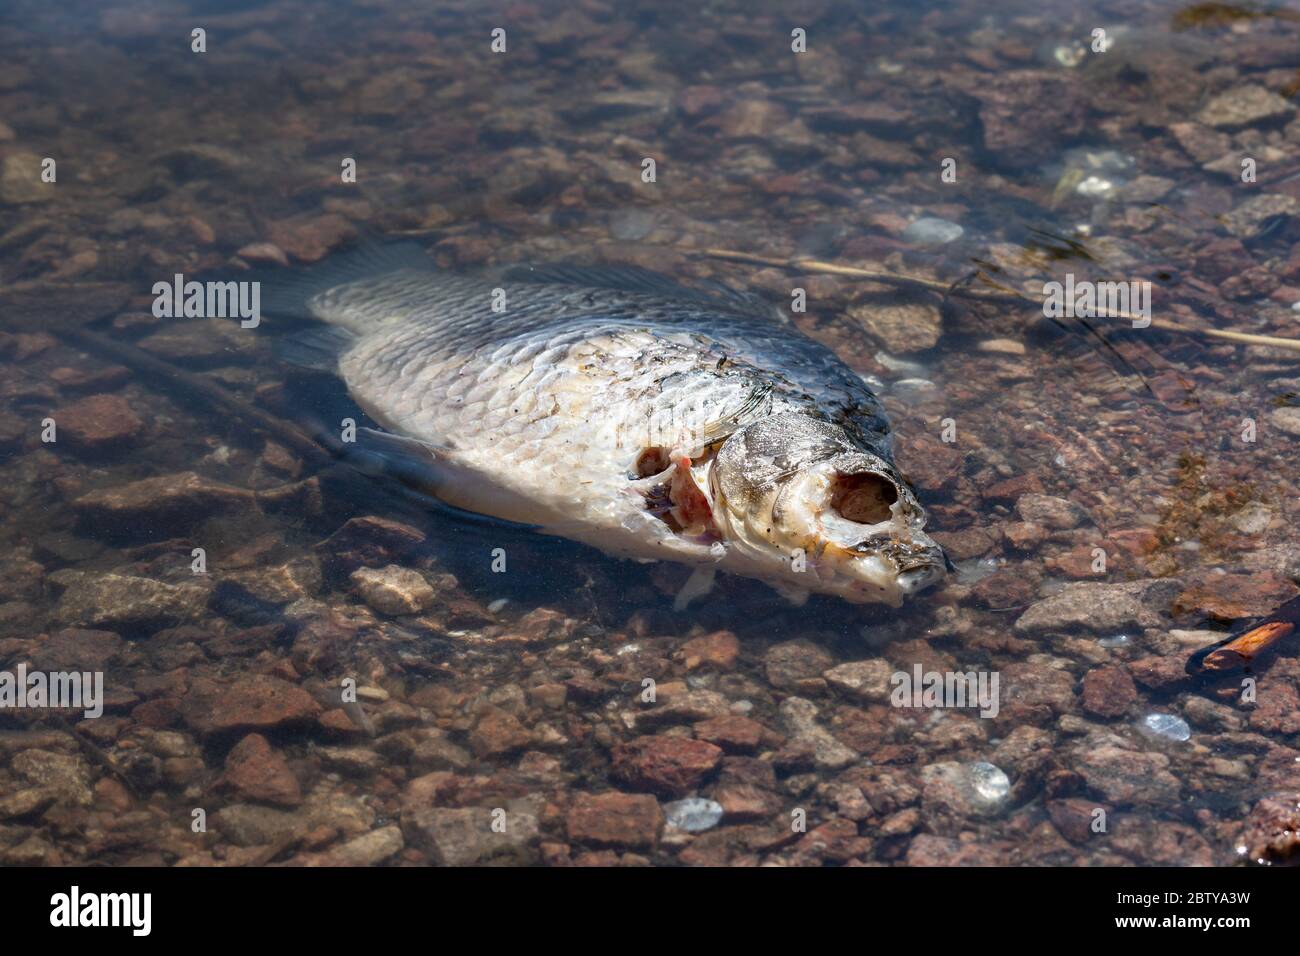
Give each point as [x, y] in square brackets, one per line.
[310, 238]
[256, 702]
[743, 802]
[967, 543]
[1108, 691]
[1010, 587]
[1073, 817]
[670, 766]
[615, 819]
[1077, 563]
[1159, 673]
[499, 733]
[1230, 597]
[256, 771]
[836, 840]
[1009, 490]
[98, 422]
[158, 713]
[719, 649]
[733, 734]
[931, 464]
[1023, 535]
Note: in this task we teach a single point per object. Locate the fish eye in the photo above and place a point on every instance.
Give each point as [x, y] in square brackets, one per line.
[864, 498]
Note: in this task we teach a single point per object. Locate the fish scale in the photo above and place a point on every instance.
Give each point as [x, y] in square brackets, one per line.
[546, 411]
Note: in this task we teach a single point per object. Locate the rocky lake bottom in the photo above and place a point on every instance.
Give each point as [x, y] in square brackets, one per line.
[351, 681]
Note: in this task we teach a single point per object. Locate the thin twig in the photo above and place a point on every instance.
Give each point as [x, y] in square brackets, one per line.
[1000, 293]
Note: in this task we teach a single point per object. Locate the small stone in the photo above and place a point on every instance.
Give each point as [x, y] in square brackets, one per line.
[98, 423]
[1099, 608]
[171, 503]
[1243, 106]
[1165, 727]
[719, 649]
[1270, 834]
[1250, 218]
[462, 836]
[800, 718]
[20, 180]
[368, 849]
[900, 328]
[393, 590]
[1047, 511]
[1287, 419]
[119, 600]
[310, 238]
[29, 802]
[257, 772]
[613, 819]
[1002, 346]
[254, 702]
[863, 680]
[734, 734]
[794, 663]
[1108, 691]
[499, 732]
[953, 792]
[1073, 817]
[367, 541]
[666, 765]
[1231, 597]
[1127, 776]
[65, 776]
[694, 814]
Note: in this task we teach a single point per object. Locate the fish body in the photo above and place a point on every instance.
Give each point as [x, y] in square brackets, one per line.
[648, 419]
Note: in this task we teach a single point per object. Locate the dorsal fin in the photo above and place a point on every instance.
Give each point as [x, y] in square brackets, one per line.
[629, 278]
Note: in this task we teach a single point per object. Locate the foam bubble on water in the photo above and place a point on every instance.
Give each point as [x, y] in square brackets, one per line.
[694, 814]
[989, 786]
[932, 231]
[1165, 727]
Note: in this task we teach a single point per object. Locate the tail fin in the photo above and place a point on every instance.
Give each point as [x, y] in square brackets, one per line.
[287, 292]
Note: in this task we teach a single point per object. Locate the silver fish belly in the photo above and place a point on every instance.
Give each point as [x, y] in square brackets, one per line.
[648, 419]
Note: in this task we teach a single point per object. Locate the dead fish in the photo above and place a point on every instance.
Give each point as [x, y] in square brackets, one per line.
[616, 407]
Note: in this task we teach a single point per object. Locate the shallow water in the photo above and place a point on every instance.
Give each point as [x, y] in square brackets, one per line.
[1113, 497]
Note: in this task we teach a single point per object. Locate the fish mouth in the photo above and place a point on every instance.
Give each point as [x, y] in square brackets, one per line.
[916, 580]
[921, 563]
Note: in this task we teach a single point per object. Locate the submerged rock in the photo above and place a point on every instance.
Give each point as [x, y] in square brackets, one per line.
[393, 590]
[461, 836]
[95, 600]
[1243, 106]
[98, 423]
[166, 503]
[624, 820]
[253, 702]
[1100, 608]
[256, 771]
[666, 765]
[900, 328]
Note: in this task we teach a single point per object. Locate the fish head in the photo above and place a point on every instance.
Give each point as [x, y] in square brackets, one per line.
[799, 503]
